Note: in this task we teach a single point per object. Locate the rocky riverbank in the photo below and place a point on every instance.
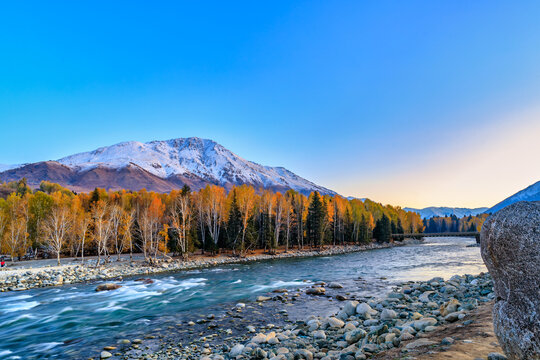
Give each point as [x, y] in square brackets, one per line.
[406, 320]
[17, 280]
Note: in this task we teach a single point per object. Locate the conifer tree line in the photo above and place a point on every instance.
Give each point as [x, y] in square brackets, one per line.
[55, 220]
[442, 224]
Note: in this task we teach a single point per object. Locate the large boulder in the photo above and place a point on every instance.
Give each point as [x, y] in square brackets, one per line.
[510, 245]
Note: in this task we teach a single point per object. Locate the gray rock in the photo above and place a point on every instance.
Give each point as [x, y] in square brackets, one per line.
[335, 323]
[365, 311]
[388, 314]
[447, 341]
[335, 285]
[236, 350]
[418, 343]
[319, 335]
[452, 317]
[496, 356]
[303, 354]
[350, 307]
[105, 355]
[510, 247]
[423, 323]
[371, 348]
[354, 336]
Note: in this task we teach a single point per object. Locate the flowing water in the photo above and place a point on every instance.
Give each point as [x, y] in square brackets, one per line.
[56, 322]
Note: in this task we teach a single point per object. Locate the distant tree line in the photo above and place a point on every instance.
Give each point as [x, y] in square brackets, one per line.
[106, 223]
[442, 224]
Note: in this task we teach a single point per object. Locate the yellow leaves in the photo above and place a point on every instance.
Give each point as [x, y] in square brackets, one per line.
[164, 233]
[156, 208]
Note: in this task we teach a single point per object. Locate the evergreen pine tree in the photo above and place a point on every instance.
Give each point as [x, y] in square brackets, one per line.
[234, 224]
[315, 218]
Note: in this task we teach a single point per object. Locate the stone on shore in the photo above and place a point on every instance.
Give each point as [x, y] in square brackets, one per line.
[236, 350]
[365, 311]
[105, 355]
[510, 247]
[335, 285]
[335, 323]
[316, 291]
[350, 308]
[420, 342]
[388, 314]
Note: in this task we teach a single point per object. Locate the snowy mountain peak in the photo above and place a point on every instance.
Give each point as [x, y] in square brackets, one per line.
[192, 156]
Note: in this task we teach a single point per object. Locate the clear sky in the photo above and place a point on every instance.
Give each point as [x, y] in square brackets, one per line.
[412, 103]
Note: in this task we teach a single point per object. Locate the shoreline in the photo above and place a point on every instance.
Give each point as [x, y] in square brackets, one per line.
[21, 279]
[434, 319]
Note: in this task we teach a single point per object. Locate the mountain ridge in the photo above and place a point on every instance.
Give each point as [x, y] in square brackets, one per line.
[433, 211]
[161, 166]
[530, 193]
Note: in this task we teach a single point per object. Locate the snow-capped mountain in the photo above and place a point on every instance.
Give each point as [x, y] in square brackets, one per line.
[433, 211]
[175, 162]
[530, 193]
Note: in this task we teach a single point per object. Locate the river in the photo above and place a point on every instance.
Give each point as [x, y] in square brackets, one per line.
[58, 322]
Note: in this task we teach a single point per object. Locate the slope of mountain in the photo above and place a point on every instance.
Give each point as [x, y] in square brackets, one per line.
[4, 167]
[160, 166]
[530, 193]
[433, 211]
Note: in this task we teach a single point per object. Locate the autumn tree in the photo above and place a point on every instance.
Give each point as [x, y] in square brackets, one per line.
[246, 204]
[287, 218]
[39, 206]
[102, 227]
[16, 225]
[128, 218]
[116, 213]
[214, 208]
[80, 226]
[181, 218]
[278, 202]
[150, 225]
[299, 211]
[56, 225]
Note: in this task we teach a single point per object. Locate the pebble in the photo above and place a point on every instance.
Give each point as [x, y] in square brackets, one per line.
[105, 355]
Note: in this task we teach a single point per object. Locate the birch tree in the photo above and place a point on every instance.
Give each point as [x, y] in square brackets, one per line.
[102, 227]
[278, 201]
[181, 216]
[57, 224]
[116, 220]
[245, 196]
[81, 226]
[149, 224]
[128, 218]
[214, 201]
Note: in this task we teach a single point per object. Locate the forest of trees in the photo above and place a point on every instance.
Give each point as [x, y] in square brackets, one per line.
[442, 224]
[107, 223]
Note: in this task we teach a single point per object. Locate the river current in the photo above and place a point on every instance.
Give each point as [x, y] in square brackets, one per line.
[57, 322]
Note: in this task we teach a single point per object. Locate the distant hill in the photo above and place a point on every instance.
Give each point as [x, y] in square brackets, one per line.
[159, 166]
[531, 193]
[434, 211]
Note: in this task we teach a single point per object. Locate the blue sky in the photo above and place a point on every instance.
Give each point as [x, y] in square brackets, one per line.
[366, 98]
